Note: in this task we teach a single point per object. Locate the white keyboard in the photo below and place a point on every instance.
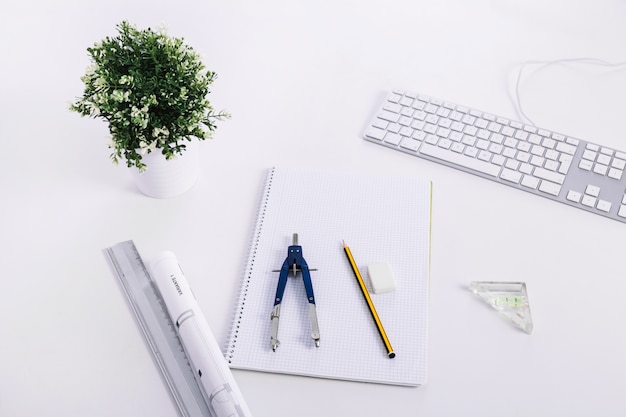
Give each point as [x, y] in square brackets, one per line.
[581, 174]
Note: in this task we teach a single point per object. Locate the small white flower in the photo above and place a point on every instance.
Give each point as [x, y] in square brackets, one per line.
[160, 132]
[162, 29]
[126, 79]
[120, 96]
[91, 69]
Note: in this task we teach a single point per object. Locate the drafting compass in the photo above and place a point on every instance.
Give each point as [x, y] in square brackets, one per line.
[295, 263]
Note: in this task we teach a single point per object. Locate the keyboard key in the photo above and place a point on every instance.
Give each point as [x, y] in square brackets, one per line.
[392, 138]
[419, 135]
[530, 182]
[552, 155]
[494, 127]
[375, 133]
[585, 165]
[498, 160]
[616, 174]
[510, 175]
[389, 116]
[431, 118]
[600, 169]
[521, 135]
[405, 121]
[459, 159]
[392, 107]
[549, 175]
[470, 130]
[604, 206]
[618, 164]
[549, 143]
[395, 96]
[592, 190]
[507, 131]
[590, 155]
[574, 196]
[564, 147]
[537, 150]
[406, 131]
[512, 164]
[484, 155]
[526, 168]
[523, 157]
[603, 159]
[444, 143]
[456, 136]
[588, 201]
[406, 101]
[524, 146]
[534, 139]
[482, 144]
[430, 128]
[537, 161]
[551, 165]
[509, 152]
[566, 161]
[471, 152]
[380, 123]
[469, 140]
[457, 147]
[550, 188]
[410, 144]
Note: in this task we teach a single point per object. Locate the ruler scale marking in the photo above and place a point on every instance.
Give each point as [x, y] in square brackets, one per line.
[148, 307]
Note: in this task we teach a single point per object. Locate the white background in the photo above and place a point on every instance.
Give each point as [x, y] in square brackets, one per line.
[302, 80]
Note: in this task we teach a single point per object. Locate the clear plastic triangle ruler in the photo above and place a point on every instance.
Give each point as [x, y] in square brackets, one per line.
[509, 298]
[146, 303]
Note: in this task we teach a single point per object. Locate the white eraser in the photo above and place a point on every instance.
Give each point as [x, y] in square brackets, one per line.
[381, 277]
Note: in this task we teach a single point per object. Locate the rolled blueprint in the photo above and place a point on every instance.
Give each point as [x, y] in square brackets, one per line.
[211, 371]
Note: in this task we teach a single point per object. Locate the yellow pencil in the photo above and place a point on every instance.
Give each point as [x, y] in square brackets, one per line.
[370, 304]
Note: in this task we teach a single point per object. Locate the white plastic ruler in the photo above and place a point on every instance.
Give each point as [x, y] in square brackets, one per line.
[147, 304]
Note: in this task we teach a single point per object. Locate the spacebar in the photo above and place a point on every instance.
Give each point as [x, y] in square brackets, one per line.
[460, 159]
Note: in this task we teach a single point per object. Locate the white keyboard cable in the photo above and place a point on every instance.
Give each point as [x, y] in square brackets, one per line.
[540, 65]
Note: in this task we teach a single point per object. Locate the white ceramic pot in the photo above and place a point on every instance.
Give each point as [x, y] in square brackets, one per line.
[168, 178]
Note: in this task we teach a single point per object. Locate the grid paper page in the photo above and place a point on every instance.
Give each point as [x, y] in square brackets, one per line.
[381, 219]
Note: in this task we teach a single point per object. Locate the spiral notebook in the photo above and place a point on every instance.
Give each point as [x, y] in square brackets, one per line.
[382, 219]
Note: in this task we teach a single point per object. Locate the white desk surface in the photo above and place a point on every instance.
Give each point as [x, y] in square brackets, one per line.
[302, 79]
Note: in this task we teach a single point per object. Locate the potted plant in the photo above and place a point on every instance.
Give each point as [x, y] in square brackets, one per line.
[152, 90]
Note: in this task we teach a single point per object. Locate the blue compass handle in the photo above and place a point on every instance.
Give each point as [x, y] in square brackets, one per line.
[282, 282]
[308, 285]
[294, 257]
